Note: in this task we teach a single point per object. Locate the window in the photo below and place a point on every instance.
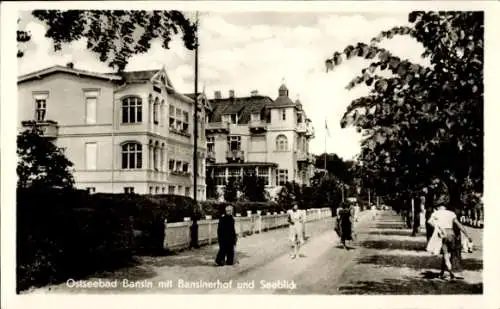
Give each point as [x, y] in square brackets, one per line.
[234, 118]
[132, 156]
[281, 143]
[281, 177]
[155, 157]
[171, 189]
[178, 166]
[210, 144]
[129, 190]
[156, 107]
[187, 191]
[235, 172]
[171, 165]
[234, 143]
[185, 123]
[157, 190]
[132, 110]
[255, 117]
[226, 118]
[90, 190]
[283, 114]
[163, 190]
[220, 176]
[150, 190]
[40, 109]
[263, 173]
[90, 156]
[90, 110]
[157, 89]
[185, 167]
[179, 190]
[299, 118]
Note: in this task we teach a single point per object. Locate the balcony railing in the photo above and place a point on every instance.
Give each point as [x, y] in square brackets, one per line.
[211, 156]
[217, 127]
[48, 128]
[180, 173]
[235, 155]
[258, 126]
[301, 128]
[305, 157]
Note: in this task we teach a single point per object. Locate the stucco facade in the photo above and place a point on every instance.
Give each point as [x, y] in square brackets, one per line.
[130, 132]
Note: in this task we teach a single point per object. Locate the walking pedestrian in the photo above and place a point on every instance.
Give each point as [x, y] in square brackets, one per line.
[227, 238]
[449, 230]
[344, 221]
[295, 226]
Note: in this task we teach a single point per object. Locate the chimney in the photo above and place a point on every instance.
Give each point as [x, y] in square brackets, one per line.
[70, 65]
[231, 94]
[254, 93]
[217, 95]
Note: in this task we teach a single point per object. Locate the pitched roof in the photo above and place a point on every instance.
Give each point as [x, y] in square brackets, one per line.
[137, 76]
[243, 107]
[69, 70]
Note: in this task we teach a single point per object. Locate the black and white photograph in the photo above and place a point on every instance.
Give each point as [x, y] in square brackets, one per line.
[184, 150]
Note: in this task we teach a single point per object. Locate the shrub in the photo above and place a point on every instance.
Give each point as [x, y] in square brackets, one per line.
[67, 237]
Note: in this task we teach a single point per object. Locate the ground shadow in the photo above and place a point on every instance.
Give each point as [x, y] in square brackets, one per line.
[397, 232]
[390, 244]
[395, 226]
[195, 258]
[411, 286]
[416, 262]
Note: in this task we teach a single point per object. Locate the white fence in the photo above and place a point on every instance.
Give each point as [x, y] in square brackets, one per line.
[178, 234]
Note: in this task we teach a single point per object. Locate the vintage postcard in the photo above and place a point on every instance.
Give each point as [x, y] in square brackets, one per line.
[252, 149]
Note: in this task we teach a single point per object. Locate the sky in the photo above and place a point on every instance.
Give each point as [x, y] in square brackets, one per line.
[245, 51]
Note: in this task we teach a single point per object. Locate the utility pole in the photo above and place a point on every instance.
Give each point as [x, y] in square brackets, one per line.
[195, 146]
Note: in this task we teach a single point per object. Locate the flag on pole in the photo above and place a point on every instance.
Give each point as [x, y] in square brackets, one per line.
[326, 128]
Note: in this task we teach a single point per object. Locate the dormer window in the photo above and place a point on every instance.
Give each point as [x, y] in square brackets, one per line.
[255, 117]
[283, 114]
[300, 119]
[234, 118]
[226, 118]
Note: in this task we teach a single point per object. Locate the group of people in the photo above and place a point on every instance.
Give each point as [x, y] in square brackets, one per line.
[227, 237]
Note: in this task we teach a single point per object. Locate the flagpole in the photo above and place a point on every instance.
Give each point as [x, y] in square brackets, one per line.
[326, 133]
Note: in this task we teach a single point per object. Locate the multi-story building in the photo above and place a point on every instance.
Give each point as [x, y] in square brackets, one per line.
[127, 132]
[258, 135]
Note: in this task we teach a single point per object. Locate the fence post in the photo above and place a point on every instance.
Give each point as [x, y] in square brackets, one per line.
[251, 227]
[238, 224]
[259, 221]
[209, 220]
[187, 220]
[165, 242]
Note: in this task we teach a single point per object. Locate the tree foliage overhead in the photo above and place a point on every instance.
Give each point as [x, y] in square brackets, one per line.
[41, 163]
[420, 122]
[115, 35]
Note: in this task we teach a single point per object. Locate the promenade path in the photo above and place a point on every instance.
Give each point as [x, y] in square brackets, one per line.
[384, 259]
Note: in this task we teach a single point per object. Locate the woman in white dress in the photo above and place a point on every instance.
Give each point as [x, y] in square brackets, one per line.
[296, 225]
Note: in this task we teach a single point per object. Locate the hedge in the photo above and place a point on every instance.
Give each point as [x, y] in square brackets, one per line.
[216, 209]
[65, 234]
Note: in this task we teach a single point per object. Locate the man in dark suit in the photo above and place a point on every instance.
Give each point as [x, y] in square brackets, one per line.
[226, 235]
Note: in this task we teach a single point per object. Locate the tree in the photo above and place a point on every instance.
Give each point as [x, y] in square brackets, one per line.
[253, 188]
[420, 122]
[41, 163]
[289, 193]
[335, 165]
[115, 35]
[231, 190]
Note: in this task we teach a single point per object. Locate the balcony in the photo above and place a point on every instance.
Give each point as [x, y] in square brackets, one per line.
[258, 126]
[305, 158]
[49, 128]
[310, 132]
[217, 127]
[235, 156]
[301, 128]
[179, 173]
[211, 156]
